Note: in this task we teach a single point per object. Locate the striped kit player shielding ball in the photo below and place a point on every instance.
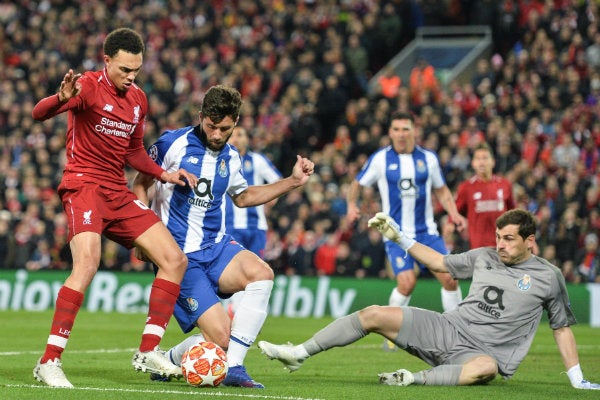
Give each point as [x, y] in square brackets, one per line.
[490, 332]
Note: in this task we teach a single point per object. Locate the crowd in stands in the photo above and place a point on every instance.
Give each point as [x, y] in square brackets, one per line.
[302, 67]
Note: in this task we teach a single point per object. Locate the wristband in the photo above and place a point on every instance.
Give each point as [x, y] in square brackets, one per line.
[406, 243]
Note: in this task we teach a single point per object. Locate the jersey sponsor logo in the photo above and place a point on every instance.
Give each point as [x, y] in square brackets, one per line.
[87, 217]
[192, 304]
[493, 301]
[111, 127]
[408, 189]
[108, 107]
[202, 190]
[482, 206]
[524, 283]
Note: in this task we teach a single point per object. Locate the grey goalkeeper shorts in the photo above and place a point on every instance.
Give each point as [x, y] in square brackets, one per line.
[429, 336]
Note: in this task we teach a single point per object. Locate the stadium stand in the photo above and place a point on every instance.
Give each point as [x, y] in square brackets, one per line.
[303, 67]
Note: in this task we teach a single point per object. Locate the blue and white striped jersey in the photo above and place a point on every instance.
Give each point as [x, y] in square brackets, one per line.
[405, 183]
[195, 217]
[257, 170]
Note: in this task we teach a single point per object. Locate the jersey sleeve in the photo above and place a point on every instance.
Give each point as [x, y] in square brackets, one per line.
[558, 304]
[372, 170]
[237, 183]
[268, 172]
[437, 178]
[462, 266]
[50, 106]
[137, 156]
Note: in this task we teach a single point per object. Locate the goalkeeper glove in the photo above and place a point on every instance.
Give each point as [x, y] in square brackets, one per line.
[390, 229]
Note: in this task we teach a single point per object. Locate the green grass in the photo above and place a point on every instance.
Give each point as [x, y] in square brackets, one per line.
[97, 361]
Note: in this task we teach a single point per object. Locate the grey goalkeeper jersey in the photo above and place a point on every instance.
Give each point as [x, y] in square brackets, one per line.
[504, 306]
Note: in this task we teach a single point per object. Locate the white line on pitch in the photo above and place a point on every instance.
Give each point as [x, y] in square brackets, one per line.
[178, 392]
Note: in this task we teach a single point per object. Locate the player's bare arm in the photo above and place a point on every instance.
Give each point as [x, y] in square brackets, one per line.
[444, 196]
[140, 186]
[352, 199]
[565, 341]
[69, 87]
[260, 194]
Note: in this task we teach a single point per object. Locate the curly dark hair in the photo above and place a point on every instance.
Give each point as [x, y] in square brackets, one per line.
[124, 39]
[221, 101]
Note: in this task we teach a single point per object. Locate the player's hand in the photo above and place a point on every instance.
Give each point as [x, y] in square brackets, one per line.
[390, 229]
[69, 87]
[180, 177]
[586, 385]
[303, 169]
[460, 222]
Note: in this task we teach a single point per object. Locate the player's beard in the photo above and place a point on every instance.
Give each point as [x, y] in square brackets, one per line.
[215, 145]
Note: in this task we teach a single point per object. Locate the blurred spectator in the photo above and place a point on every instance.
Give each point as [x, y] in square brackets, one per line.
[424, 85]
[389, 83]
[325, 259]
[567, 237]
[588, 261]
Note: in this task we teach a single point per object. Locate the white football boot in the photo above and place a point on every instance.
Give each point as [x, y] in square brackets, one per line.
[282, 352]
[155, 362]
[51, 373]
[401, 377]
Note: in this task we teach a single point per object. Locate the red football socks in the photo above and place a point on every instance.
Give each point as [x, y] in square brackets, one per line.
[67, 306]
[162, 302]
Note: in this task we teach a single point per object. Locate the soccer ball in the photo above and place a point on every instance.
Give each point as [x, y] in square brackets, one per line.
[204, 364]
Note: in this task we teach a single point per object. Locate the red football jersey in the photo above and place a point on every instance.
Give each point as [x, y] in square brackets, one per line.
[105, 130]
[482, 202]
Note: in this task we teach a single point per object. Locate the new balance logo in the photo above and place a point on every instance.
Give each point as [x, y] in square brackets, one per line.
[87, 217]
[108, 107]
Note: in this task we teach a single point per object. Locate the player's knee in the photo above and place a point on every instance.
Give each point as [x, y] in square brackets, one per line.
[485, 369]
[371, 317]
[176, 260]
[261, 271]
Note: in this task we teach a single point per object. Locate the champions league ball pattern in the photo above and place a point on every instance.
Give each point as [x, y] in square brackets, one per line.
[204, 364]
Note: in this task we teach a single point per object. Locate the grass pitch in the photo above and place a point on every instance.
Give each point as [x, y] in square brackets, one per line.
[97, 362]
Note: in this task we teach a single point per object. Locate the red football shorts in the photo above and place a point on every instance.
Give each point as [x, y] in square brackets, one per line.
[117, 214]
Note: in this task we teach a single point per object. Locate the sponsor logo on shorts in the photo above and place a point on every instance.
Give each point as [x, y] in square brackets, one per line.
[192, 304]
